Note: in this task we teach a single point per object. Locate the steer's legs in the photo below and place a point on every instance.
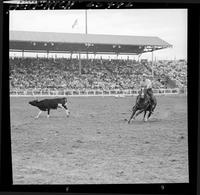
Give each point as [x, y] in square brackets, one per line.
[66, 109]
[38, 114]
[48, 112]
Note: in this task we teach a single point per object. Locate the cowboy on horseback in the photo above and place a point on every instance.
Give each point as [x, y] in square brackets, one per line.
[146, 84]
[145, 101]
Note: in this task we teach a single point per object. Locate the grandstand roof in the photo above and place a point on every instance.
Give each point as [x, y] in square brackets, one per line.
[86, 38]
[125, 44]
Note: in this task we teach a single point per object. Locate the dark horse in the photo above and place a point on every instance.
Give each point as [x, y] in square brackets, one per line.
[143, 104]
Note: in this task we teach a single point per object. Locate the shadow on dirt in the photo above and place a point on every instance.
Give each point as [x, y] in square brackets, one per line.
[140, 121]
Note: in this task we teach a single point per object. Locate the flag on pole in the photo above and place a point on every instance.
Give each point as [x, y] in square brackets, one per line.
[75, 23]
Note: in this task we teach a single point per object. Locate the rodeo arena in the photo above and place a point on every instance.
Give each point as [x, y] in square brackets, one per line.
[95, 142]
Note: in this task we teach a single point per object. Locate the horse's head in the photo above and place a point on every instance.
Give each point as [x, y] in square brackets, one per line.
[140, 97]
[141, 93]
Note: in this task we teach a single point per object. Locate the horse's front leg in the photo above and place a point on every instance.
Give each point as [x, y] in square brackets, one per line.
[139, 112]
[144, 119]
[133, 113]
[149, 114]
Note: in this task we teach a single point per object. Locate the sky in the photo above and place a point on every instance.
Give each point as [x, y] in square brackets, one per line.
[168, 24]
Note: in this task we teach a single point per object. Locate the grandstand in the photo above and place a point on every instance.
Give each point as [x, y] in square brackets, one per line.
[87, 76]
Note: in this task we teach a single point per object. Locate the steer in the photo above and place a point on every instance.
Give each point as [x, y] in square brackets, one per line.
[48, 104]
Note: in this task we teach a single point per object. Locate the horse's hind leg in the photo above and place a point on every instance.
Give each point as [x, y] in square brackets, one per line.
[154, 107]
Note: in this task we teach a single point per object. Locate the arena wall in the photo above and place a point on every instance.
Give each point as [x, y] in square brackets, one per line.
[129, 92]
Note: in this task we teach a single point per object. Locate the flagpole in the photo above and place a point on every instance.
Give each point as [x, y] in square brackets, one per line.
[86, 28]
[86, 22]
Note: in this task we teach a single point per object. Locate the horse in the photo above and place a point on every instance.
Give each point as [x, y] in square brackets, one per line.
[143, 104]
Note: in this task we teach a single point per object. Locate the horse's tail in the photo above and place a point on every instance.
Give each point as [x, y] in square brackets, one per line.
[154, 103]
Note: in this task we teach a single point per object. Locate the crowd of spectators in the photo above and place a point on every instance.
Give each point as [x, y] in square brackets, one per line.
[172, 69]
[43, 73]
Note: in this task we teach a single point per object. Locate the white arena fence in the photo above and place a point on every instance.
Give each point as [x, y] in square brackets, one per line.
[86, 93]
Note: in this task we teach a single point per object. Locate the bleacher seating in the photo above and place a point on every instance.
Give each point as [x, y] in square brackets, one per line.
[42, 73]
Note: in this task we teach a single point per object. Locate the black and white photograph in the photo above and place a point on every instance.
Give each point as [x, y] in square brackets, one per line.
[98, 96]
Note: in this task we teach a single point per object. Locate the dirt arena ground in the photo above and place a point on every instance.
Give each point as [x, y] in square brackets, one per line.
[96, 145]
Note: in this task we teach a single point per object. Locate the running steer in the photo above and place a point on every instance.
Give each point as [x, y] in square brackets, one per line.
[48, 104]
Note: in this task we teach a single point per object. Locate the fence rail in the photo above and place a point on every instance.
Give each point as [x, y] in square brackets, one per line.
[129, 92]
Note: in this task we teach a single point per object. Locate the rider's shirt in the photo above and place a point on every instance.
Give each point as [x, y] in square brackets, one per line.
[146, 84]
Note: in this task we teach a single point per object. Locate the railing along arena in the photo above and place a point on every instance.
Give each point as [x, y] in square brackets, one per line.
[129, 92]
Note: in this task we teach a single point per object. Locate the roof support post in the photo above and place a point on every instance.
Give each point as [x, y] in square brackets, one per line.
[152, 65]
[87, 47]
[87, 55]
[80, 63]
[22, 54]
[86, 22]
[139, 57]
